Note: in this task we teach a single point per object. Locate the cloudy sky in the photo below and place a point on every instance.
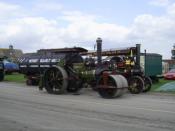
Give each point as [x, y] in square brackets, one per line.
[34, 24]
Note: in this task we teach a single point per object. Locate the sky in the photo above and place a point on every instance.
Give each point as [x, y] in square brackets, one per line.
[36, 24]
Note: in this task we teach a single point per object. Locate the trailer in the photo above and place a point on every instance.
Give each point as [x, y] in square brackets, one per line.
[151, 64]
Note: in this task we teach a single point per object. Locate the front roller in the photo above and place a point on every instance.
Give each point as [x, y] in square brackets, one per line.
[112, 86]
[55, 80]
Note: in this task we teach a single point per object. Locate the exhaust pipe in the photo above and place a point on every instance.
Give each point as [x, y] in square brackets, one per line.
[99, 50]
[138, 55]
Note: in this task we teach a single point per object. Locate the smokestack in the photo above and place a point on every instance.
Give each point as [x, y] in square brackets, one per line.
[99, 50]
[138, 55]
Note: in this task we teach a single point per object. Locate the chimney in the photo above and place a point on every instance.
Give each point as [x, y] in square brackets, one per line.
[99, 50]
[138, 55]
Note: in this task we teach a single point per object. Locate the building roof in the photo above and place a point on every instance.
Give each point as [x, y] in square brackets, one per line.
[10, 53]
[170, 61]
[63, 50]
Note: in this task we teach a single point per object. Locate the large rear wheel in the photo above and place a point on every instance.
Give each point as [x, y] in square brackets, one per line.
[55, 79]
[147, 84]
[136, 84]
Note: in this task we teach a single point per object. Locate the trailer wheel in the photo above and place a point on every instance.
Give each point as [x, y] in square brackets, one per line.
[29, 82]
[56, 80]
[74, 86]
[94, 85]
[72, 90]
[117, 89]
[32, 82]
[136, 85]
[147, 84]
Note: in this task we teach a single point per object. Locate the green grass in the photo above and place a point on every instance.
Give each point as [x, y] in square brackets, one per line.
[159, 84]
[15, 77]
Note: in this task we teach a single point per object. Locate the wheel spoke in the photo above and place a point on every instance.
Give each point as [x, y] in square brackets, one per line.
[58, 84]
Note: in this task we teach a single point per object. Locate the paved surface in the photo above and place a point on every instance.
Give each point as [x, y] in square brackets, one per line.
[25, 108]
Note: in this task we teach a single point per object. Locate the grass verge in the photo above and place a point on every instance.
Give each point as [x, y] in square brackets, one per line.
[19, 78]
[159, 84]
[15, 77]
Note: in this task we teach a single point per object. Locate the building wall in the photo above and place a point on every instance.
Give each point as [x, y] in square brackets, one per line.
[171, 63]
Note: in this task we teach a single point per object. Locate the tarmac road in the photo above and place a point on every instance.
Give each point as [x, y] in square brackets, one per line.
[25, 108]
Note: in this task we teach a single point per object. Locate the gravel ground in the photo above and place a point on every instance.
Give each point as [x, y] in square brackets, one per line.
[24, 108]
